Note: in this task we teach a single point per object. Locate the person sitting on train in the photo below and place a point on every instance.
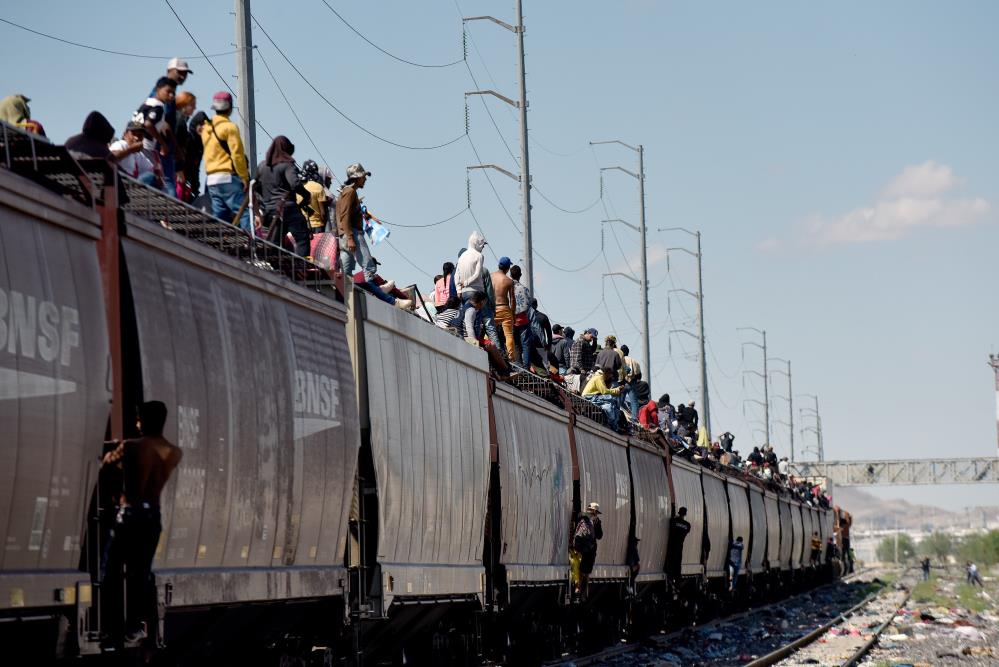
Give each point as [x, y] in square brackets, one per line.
[608, 398]
[449, 317]
[648, 414]
[468, 324]
[147, 464]
[667, 415]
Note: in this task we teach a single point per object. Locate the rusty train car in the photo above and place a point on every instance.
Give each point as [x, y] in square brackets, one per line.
[356, 487]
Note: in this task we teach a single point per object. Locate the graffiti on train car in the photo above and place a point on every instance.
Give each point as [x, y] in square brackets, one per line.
[35, 328]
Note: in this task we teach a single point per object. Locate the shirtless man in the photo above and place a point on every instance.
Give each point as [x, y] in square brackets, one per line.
[146, 466]
[503, 289]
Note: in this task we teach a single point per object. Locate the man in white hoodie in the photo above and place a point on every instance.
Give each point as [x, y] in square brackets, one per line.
[468, 277]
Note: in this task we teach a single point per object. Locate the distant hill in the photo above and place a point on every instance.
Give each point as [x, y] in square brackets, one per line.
[871, 512]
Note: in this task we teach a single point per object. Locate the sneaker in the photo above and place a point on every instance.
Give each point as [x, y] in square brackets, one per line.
[405, 304]
[387, 286]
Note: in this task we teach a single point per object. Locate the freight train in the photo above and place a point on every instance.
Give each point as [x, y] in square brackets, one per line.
[356, 486]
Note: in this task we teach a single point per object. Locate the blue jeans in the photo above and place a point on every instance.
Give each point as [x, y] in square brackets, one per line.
[361, 256]
[734, 571]
[226, 200]
[169, 175]
[528, 341]
[630, 392]
[610, 404]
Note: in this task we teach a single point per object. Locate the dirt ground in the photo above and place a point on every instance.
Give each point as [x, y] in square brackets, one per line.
[945, 622]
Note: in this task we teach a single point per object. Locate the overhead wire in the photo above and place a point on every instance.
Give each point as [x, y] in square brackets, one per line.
[291, 108]
[110, 51]
[341, 113]
[565, 210]
[212, 65]
[432, 224]
[390, 55]
[407, 259]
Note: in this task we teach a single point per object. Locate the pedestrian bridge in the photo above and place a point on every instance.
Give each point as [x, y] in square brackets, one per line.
[901, 472]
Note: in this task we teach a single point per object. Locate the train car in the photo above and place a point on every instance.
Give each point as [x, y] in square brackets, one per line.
[354, 481]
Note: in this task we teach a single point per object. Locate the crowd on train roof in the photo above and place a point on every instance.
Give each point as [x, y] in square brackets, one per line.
[165, 142]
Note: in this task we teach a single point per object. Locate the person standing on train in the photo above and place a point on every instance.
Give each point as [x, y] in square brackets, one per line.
[583, 354]
[735, 562]
[562, 349]
[281, 189]
[667, 415]
[679, 528]
[584, 540]
[147, 464]
[503, 289]
[227, 171]
[610, 359]
[632, 372]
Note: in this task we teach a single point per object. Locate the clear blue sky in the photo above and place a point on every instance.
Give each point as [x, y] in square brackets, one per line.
[840, 161]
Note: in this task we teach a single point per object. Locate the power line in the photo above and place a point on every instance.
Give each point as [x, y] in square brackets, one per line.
[407, 260]
[110, 51]
[212, 65]
[432, 224]
[589, 314]
[614, 285]
[291, 108]
[565, 270]
[565, 210]
[390, 55]
[341, 113]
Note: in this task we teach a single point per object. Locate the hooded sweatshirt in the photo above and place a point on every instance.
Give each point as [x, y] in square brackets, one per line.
[469, 271]
[14, 109]
[93, 141]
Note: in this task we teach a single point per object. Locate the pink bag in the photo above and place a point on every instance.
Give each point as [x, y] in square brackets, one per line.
[325, 249]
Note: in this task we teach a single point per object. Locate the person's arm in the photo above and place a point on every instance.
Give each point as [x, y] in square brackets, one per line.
[345, 206]
[129, 149]
[236, 151]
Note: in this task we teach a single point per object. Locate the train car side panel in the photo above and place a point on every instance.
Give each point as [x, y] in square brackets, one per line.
[427, 402]
[716, 508]
[738, 505]
[687, 486]
[652, 510]
[54, 397]
[604, 479]
[773, 528]
[786, 533]
[797, 535]
[761, 536]
[535, 467]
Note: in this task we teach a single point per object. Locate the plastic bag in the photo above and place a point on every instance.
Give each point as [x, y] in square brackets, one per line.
[377, 232]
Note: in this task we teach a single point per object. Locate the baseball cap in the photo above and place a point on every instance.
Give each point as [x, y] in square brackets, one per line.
[180, 65]
[504, 262]
[222, 101]
[591, 331]
[135, 127]
[357, 170]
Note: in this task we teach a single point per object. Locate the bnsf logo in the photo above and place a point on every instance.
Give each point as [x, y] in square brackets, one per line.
[316, 394]
[32, 328]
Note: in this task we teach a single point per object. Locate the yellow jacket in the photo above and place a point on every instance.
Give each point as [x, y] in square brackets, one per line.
[596, 385]
[216, 158]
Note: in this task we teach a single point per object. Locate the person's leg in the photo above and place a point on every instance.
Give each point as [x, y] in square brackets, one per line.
[220, 209]
[468, 314]
[366, 262]
[631, 397]
[233, 196]
[299, 228]
[504, 317]
[489, 322]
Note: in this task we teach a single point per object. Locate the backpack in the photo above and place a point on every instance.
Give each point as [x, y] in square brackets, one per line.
[583, 539]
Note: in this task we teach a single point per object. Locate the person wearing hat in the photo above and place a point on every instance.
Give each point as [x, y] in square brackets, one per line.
[133, 161]
[354, 251]
[584, 541]
[679, 528]
[228, 174]
[503, 289]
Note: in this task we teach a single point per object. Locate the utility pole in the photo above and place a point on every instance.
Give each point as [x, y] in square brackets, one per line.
[521, 105]
[765, 375]
[244, 72]
[819, 448]
[644, 282]
[790, 400]
[702, 348]
[994, 364]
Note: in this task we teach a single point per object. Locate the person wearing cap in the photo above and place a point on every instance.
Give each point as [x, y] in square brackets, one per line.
[354, 251]
[177, 71]
[228, 173]
[317, 185]
[561, 348]
[503, 289]
[584, 540]
[583, 353]
[679, 528]
[132, 159]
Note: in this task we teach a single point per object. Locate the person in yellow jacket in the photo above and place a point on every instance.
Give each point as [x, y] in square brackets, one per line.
[228, 179]
[597, 392]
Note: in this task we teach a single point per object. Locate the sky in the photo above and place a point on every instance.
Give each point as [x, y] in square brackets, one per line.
[839, 161]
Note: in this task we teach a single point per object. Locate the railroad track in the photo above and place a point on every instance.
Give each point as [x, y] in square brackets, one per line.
[839, 644]
[615, 654]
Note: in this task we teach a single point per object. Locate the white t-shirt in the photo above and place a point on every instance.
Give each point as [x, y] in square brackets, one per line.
[134, 164]
[154, 111]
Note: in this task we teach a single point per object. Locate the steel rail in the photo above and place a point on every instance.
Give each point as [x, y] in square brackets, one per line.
[870, 643]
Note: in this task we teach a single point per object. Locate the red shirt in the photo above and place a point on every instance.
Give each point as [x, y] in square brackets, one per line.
[648, 415]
